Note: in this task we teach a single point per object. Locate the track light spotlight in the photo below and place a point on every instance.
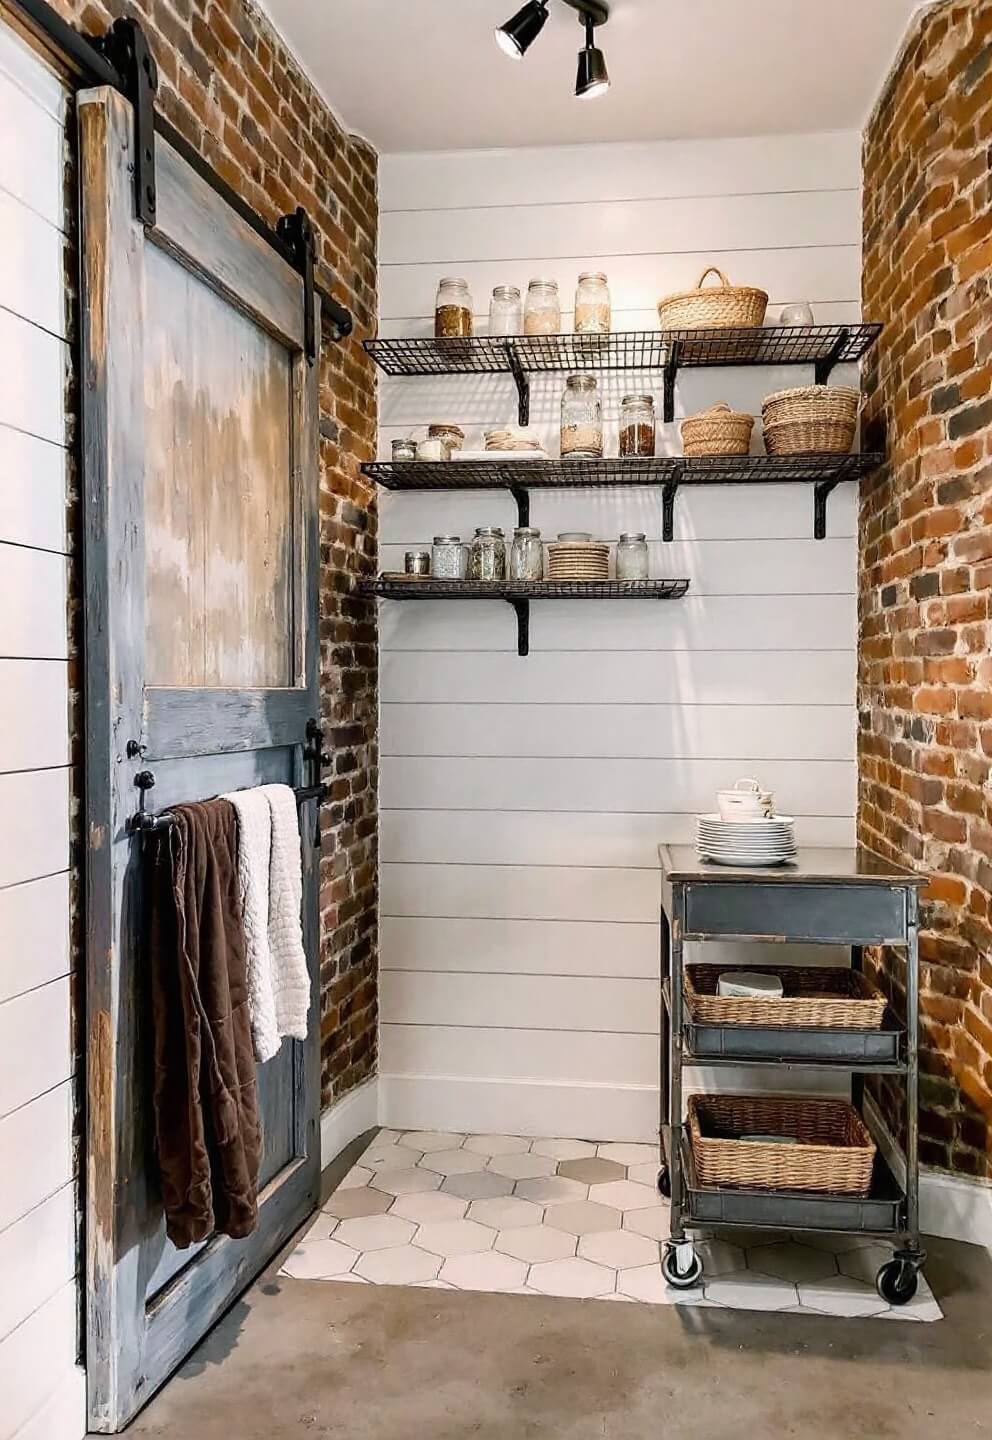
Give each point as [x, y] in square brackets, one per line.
[519, 33]
[592, 78]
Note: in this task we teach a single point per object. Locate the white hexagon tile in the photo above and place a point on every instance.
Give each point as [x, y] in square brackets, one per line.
[564, 1217]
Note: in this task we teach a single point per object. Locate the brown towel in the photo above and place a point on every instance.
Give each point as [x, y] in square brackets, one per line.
[206, 1104]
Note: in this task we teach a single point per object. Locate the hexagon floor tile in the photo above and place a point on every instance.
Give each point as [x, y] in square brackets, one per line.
[562, 1217]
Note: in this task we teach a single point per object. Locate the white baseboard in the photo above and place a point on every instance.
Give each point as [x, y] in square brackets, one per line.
[355, 1113]
[518, 1107]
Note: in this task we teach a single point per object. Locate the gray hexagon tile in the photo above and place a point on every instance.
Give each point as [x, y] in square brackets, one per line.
[489, 1145]
[450, 1162]
[505, 1213]
[791, 1261]
[592, 1171]
[720, 1258]
[564, 1149]
[523, 1167]
[362, 1200]
[551, 1190]
[455, 1237]
[405, 1182]
[478, 1185]
[582, 1217]
[748, 1291]
[840, 1295]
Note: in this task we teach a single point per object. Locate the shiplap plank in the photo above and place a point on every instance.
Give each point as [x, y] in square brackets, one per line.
[34, 714]
[638, 317]
[35, 1360]
[521, 837]
[34, 926]
[544, 1002]
[30, 265]
[37, 1258]
[518, 1054]
[63, 1416]
[32, 491]
[530, 947]
[33, 601]
[21, 65]
[609, 786]
[34, 836]
[36, 1043]
[715, 677]
[518, 892]
[541, 176]
[32, 378]
[794, 622]
[35, 1153]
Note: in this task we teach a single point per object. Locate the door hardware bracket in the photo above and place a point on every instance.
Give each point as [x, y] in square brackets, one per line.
[297, 233]
[126, 48]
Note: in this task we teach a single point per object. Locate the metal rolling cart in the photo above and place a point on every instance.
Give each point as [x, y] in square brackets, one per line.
[829, 897]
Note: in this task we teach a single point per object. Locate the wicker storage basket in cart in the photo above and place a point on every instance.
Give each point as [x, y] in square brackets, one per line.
[814, 998]
[812, 419]
[835, 1153]
[717, 431]
[713, 307]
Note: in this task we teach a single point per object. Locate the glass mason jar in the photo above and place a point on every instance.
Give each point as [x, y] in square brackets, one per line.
[526, 554]
[452, 309]
[637, 426]
[404, 450]
[417, 562]
[487, 558]
[506, 311]
[581, 418]
[449, 558]
[592, 304]
[632, 556]
[542, 313]
[452, 435]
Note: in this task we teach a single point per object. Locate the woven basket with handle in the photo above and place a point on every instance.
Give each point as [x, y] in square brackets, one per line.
[717, 431]
[712, 307]
[835, 1153]
[831, 999]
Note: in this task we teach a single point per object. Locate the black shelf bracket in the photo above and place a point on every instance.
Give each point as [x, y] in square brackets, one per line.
[522, 498]
[125, 47]
[825, 365]
[522, 608]
[668, 504]
[522, 383]
[671, 375]
[821, 490]
[296, 231]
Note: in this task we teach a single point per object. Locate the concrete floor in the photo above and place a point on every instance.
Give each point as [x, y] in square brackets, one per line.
[298, 1360]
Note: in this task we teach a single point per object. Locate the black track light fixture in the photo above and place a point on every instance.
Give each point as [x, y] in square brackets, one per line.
[592, 78]
[519, 33]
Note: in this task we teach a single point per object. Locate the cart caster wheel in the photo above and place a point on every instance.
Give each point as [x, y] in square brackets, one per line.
[681, 1266]
[665, 1182]
[898, 1281]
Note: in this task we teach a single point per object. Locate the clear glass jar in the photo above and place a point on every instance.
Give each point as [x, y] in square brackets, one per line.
[487, 558]
[581, 418]
[417, 562]
[452, 435]
[404, 450]
[592, 304]
[637, 427]
[542, 313]
[506, 311]
[632, 556]
[526, 554]
[452, 309]
[433, 449]
[449, 558]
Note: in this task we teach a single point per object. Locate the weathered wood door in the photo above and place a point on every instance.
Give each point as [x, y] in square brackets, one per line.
[201, 555]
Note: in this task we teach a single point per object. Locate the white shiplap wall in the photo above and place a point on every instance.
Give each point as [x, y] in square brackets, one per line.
[523, 799]
[41, 1388]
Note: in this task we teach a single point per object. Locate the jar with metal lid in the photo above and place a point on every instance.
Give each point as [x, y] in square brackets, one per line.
[637, 427]
[417, 562]
[506, 311]
[487, 557]
[452, 309]
[452, 435]
[592, 304]
[526, 554]
[449, 558]
[632, 556]
[404, 450]
[581, 418]
[542, 313]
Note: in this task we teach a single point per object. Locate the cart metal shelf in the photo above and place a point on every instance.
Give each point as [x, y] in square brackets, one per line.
[831, 897]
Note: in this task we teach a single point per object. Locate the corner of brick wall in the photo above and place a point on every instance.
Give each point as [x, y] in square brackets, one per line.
[230, 86]
[925, 670]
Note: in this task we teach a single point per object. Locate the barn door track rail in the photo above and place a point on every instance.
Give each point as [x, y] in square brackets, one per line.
[123, 59]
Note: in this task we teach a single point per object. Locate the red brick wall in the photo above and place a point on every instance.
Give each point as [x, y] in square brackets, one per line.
[229, 85]
[925, 674]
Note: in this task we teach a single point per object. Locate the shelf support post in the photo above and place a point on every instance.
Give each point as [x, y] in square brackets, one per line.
[522, 497]
[671, 375]
[522, 610]
[668, 503]
[826, 363]
[522, 382]
[820, 492]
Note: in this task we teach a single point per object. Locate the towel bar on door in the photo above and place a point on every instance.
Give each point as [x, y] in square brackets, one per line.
[146, 822]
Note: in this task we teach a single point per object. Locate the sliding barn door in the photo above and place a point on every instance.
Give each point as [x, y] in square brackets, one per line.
[200, 480]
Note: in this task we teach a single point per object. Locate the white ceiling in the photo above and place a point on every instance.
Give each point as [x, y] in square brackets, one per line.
[427, 75]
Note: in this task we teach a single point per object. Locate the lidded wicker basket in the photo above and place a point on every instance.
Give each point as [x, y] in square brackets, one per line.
[717, 431]
[713, 307]
[811, 419]
[835, 1153]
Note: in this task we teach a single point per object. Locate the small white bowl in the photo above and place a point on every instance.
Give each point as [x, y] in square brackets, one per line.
[746, 801]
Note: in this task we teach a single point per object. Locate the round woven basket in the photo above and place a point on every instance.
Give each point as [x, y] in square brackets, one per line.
[812, 402]
[713, 307]
[810, 437]
[717, 431]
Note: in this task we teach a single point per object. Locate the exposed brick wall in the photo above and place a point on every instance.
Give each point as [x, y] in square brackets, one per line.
[925, 675]
[229, 85]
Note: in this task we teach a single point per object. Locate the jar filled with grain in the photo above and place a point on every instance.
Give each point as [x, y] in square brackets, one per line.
[452, 309]
[592, 304]
[506, 311]
[487, 557]
[632, 556]
[526, 554]
[542, 313]
[449, 558]
[637, 427]
[581, 419]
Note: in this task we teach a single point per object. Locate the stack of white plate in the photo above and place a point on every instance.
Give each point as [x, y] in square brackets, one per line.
[768, 840]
